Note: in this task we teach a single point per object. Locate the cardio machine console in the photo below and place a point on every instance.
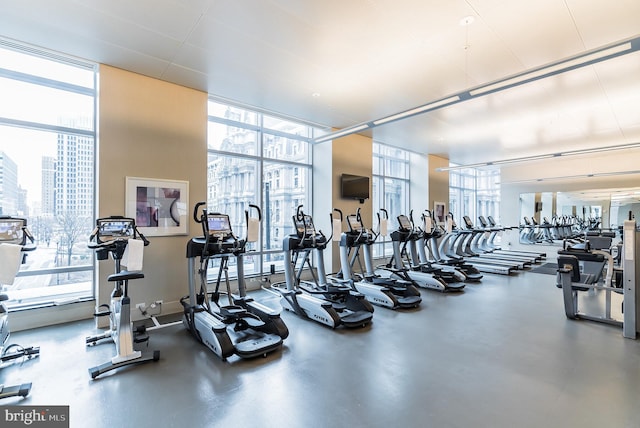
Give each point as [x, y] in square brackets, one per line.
[355, 225]
[12, 231]
[304, 226]
[404, 222]
[218, 226]
[109, 229]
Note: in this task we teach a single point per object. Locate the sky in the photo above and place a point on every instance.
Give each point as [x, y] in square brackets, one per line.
[24, 101]
[26, 148]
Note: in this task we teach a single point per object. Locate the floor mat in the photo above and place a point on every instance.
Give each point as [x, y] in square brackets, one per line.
[547, 269]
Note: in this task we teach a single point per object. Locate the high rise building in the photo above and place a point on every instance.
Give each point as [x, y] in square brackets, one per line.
[74, 175]
[48, 184]
[8, 185]
[22, 209]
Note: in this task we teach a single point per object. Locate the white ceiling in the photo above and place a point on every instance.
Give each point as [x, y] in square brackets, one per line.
[371, 58]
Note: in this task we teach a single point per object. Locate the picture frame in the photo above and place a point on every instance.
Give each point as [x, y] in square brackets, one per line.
[439, 212]
[160, 207]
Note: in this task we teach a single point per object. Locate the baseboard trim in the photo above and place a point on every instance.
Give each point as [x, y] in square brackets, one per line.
[27, 319]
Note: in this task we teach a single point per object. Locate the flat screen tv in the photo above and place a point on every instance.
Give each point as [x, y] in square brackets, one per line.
[355, 187]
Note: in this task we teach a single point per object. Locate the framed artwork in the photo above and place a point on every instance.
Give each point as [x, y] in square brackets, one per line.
[160, 207]
[439, 212]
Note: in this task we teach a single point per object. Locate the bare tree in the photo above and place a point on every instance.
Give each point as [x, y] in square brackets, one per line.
[72, 227]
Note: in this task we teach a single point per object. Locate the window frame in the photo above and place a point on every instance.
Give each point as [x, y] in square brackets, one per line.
[268, 155]
[384, 171]
[60, 132]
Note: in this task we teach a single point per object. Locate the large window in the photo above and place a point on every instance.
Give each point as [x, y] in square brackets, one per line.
[390, 190]
[474, 192]
[259, 159]
[47, 164]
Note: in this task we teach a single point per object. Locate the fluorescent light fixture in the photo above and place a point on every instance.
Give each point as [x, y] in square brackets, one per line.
[603, 149]
[414, 111]
[525, 159]
[543, 156]
[499, 162]
[574, 177]
[342, 133]
[591, 57]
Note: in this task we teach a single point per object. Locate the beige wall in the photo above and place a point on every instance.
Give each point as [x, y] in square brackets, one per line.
[438, 181]
[152, 129]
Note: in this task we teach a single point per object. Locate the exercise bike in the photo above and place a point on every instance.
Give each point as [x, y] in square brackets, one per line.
[13, 234]
[244, 327]
[111, 236]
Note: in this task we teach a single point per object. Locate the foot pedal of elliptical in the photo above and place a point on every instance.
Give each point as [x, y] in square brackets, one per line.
[141, 338]
[232, 311]
[140, 335]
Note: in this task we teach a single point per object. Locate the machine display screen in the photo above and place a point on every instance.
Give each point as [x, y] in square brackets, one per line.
[305, 227]
[11, 230]
[354, 224]
[115, 229]
[218, 224]
[404, 222]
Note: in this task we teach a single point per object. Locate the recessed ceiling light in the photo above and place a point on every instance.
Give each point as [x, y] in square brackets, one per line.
[315, 94]
[467, 20]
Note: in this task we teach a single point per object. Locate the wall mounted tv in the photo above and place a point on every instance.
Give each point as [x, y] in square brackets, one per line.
[355, 187]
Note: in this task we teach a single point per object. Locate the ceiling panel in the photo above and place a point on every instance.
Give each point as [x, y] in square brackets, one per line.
[172, 19]
[601, 22]
[535, 32]
[371, 58]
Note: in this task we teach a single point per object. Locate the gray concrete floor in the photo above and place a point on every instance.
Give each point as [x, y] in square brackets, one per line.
[501, 354]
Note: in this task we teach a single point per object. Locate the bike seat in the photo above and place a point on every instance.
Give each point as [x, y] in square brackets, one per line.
[125, 276]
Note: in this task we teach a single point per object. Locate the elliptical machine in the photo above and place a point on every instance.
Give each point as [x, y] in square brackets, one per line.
[436, 232]
[14, 232]
[329, 303]
[111, 236]
[385, 292]
[244, 327]
[421, 262]
[404, 243]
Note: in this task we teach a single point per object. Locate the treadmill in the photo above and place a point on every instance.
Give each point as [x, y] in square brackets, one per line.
[472, 247]
[452, 245]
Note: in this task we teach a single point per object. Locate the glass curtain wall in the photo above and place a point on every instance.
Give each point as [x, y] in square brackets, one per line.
[260, 159]
[390, 191]
[47, 164]
[474, 193]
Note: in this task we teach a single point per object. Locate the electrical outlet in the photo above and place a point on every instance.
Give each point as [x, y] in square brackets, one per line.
[155, 308]
[142, 307]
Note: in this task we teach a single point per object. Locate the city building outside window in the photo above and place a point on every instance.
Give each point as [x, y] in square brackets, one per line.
[273, 155]
[47, 164]
[474, 192]
[390, 191]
